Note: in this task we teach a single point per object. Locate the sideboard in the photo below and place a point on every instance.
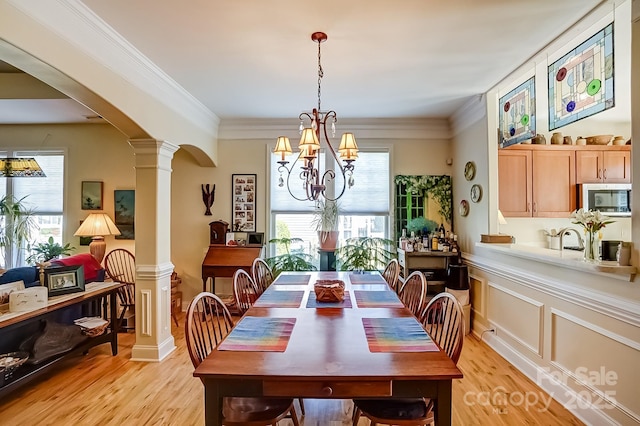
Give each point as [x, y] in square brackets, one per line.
[98, 300]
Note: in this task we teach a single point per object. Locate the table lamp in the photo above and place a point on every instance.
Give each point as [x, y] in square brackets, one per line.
[97, 226]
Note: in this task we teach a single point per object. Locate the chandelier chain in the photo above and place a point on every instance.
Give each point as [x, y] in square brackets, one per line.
[320, 74]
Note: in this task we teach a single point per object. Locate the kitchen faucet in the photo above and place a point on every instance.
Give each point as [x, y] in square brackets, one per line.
[565, 231]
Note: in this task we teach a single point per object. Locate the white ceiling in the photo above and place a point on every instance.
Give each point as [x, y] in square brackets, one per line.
[255, 59]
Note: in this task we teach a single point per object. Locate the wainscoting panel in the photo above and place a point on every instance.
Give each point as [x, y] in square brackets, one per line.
[518, 316]
[477, 287]
[609, 370]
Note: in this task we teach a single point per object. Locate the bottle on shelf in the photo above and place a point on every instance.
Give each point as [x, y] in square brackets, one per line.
[434, 242]
[402, 243]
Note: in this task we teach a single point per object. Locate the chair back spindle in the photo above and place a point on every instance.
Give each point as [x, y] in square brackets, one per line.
[413, 292]
[244, 290]
[262, 274]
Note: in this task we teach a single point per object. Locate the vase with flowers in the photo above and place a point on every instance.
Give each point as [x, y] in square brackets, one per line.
[592, 221]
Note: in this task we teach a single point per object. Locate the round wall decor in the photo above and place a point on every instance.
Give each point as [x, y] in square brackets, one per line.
[476, 193]
[469, 170]
[463, 208]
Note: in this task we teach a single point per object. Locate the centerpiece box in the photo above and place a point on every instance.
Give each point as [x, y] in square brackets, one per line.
[329, 290]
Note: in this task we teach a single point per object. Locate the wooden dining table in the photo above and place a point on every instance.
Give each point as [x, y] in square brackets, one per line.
[327, 353]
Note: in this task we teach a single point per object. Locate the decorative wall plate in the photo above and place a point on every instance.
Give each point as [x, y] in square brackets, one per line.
[469, 170]
[463, 208]
[476, 193]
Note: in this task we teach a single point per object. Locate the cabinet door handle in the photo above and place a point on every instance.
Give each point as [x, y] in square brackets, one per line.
[599, 173]
[604, 174]
[528, 207]
[535, 207]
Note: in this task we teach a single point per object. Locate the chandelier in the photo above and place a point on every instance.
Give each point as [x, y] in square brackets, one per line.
[20, 167]
[313, 129]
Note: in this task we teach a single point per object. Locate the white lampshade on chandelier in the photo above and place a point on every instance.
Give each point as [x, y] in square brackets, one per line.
[313, 137]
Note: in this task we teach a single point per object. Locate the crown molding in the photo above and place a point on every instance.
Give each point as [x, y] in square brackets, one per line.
[471, 112]
[78, 25]
[371, 128]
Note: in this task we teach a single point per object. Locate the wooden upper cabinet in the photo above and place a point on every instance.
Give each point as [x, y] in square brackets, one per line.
[603, 165]
[536, 182]
[514, 183]
[554, 183]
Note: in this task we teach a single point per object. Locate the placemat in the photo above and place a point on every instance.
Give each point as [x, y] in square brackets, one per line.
[279, 299]
[312, 302]
[377, 299]
[397, 335]
[366, 279]
[259, 334]
[299, 279]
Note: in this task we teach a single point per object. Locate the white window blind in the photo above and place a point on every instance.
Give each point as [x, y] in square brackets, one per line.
[370, 194]
[44, 195]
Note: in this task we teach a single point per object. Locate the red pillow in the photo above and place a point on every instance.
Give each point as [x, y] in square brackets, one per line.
[92, 267]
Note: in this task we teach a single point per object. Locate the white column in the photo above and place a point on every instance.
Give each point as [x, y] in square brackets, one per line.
[153, 249]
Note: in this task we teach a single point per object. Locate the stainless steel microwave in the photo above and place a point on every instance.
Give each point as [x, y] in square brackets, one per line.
[611, 199]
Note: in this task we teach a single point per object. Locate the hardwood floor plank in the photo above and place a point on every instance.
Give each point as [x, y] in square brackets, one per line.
[99, 389]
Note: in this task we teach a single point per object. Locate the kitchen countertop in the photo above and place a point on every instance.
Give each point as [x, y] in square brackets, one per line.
[565, 258]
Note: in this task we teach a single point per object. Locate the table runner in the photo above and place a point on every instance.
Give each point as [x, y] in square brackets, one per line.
[366, 279]
[259, 334]
[397, 335]
[377, 299]
[299, 279]
[312, 302]
[279, 299]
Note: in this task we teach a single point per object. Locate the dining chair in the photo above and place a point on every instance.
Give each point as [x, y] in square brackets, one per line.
[262, 274]
[391, 273]
[120, 266]
[244, 290]
[413, 292]
[208, 322]
[443, 321]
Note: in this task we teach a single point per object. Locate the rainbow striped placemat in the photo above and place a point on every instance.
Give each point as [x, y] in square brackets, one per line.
[259, 334]
[299, 279]
[312, 302]
[279, 299]
[397, 335]
[377, 299]
[366, 279]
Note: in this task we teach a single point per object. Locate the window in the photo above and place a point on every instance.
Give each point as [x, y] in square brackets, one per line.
[44, 196]
[364, 208]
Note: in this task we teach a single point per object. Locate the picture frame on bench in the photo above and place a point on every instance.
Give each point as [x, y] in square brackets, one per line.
[64, 279]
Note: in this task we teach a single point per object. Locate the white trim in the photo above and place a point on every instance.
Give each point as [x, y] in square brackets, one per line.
[483, 304]
[145, 320]
[611, 306]
[148, 353]
[558, 391]
[470, 113]
[539, 305]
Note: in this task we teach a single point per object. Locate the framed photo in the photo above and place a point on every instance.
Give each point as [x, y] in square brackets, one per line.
[243, 203]
[6, 290]
[91, 195]
[124, 205]
[255, 239]
[64, 279]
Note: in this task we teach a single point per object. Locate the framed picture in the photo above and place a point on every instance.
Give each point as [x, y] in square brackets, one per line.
[6, 290]
[581, 82]
[255, 239]
[64, 279]
[91, 195]
[124, 206]
[243, 202]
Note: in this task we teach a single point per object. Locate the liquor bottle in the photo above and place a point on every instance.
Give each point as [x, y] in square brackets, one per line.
[434, 242]
[403, 240]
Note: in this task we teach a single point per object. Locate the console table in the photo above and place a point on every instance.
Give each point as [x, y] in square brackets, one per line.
[98, 299]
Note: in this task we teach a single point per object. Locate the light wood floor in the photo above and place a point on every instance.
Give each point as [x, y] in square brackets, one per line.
[99, 389]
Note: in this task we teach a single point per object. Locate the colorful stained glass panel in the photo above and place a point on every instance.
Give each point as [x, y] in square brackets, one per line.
[517, 114]
[581, 82]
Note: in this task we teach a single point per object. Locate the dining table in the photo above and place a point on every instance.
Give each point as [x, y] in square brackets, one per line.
[291, 345]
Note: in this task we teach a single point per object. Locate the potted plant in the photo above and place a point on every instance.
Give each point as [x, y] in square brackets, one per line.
[364, 254]
[325, 220]
[290, 260]
[43, 252]
[15, 235]
[421, 226]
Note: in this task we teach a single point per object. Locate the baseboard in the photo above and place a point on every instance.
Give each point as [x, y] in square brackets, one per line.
[591, 415]
[148, 353]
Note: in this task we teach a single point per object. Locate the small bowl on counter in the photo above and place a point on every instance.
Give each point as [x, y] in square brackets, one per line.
[599, 139]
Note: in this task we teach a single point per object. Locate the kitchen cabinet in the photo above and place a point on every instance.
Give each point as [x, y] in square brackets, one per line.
[537, 181]
[603, 164]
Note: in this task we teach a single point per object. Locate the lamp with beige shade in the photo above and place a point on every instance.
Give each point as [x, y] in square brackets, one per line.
[97, 226]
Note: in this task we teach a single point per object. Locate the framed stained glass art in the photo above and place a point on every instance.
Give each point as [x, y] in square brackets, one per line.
[517, 111]
[581, 82]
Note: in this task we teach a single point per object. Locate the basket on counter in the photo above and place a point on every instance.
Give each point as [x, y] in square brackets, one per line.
[92, 326]
[329, 290]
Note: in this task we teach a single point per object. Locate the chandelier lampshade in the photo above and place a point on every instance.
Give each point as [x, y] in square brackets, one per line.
[313, 138]
[20, 167]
